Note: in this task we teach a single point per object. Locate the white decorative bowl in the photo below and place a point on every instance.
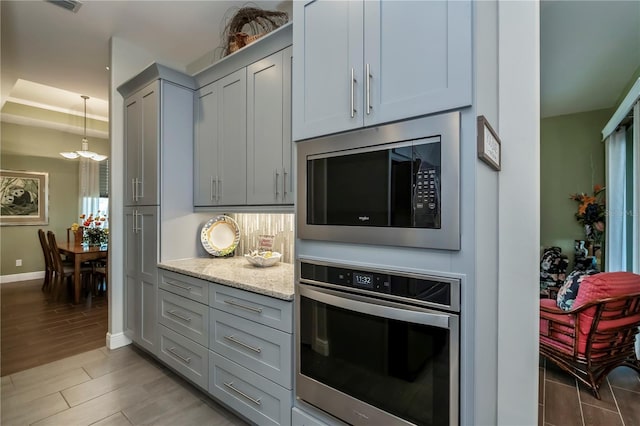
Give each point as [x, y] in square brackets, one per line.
[262, 261]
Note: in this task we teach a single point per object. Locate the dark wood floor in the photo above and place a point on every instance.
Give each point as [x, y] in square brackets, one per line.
[563, 402]
[37, 330]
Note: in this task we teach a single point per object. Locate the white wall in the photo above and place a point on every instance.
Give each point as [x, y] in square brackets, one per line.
[126, 61]
[519, 213]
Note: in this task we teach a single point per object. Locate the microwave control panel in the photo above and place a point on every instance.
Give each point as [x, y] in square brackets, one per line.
[427, 198]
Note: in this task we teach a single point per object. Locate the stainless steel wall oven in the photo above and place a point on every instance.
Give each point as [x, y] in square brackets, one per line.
[396, 184]
[376, 346]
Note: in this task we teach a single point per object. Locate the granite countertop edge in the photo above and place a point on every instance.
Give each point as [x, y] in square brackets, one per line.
[275, 281]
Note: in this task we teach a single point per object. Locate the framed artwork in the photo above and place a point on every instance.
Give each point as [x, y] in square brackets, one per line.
[489, 148]
[25, 198]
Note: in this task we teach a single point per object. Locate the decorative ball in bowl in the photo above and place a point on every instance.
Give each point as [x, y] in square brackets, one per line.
[263, 258]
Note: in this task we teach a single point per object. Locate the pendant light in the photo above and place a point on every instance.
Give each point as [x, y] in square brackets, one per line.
[84, 152]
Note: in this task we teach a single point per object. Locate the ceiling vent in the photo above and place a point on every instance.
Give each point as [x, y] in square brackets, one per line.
[70, 5]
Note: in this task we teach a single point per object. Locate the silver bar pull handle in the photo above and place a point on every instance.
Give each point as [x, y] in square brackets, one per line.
[173, 351]
[284, 183]
[219, 189]
[242, 394]
[175, 284]
[211, 188]
[240, 305]
[277, 176]
[353, 87]
[139, 189]
[238, 342]
[369, 107]
[175, 314]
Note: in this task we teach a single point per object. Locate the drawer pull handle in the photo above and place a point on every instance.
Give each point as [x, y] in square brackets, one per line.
[173, 351]
[239, 305]
[244, 395]
[175, 284]
[173, 312]
[234, 340]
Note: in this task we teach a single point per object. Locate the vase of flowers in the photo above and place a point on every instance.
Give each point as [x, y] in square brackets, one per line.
[591, 213]
[93, 229]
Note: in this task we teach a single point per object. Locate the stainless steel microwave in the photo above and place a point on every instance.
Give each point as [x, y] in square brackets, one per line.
[396, 184]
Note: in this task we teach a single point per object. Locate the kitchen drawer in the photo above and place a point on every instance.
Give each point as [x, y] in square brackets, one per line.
[186, 357]
[258, 399]
[265, 310]
[262, 349]
[184, 285]
[184, 316]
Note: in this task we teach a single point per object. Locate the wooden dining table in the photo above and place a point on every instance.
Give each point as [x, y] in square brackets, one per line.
[80, 254]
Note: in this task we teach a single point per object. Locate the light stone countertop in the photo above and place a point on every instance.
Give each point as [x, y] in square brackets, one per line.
[274, 281]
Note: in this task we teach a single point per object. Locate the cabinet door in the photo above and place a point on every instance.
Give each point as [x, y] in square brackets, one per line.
[206, 145]
[148, 275]
[232, 136]
[417, 73]
[265, 131]
[131, 313]
[327, 51]
[149, 187]
[287, 145]
[141, 277]
[133, 134]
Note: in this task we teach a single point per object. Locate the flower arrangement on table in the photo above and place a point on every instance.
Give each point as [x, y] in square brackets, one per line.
[95, 232]
[591, 213]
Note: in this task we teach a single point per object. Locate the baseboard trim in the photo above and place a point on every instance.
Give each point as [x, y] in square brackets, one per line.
[117, 340]
[21, 277]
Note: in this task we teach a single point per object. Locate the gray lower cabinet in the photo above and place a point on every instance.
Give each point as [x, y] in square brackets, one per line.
[184, 316]
[236, 344]
[265, 350]
[184, 355]
[258, 399]
[141, 283]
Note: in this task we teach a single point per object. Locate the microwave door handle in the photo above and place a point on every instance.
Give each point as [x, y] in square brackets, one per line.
[378, 308]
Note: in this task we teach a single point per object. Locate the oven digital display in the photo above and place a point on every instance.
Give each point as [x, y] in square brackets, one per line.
[362, 280]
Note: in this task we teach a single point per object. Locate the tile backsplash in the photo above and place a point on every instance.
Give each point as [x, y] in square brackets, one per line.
[252, 225]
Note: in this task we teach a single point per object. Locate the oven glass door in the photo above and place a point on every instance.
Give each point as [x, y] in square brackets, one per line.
[392, 360]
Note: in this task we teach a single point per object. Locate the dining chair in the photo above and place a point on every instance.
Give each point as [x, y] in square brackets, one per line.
[48, 263]
[62, 271]
[100, 277]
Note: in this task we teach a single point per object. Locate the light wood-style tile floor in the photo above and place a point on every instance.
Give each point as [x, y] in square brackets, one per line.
[102, 387]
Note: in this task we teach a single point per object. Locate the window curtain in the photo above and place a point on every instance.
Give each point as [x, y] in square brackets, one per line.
[89, 183]
[616, 236]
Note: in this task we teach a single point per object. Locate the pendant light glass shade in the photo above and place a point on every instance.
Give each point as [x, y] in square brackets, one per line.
[84, 152]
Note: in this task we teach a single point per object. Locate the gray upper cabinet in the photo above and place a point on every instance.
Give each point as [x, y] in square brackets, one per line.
[220, 142]
[142, 112]
[350, 73]
[269, 130]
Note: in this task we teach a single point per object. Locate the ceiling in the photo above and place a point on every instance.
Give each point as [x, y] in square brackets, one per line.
[45, 44]
[589, 49]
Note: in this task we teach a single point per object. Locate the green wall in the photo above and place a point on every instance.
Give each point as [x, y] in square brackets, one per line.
[571, 160]
[21, 242]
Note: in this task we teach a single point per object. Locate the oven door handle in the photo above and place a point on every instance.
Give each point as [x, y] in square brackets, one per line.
[379, 308]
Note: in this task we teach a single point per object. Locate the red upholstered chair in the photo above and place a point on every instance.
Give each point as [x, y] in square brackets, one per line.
[598, 333]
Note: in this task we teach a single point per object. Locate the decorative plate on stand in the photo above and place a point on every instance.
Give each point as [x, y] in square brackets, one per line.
[220, 236]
